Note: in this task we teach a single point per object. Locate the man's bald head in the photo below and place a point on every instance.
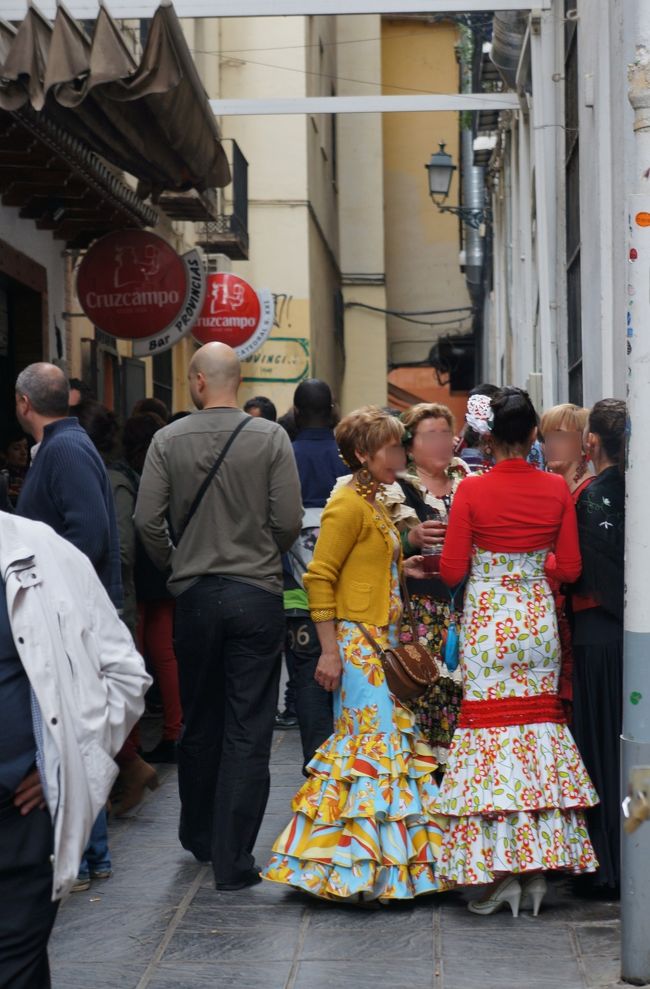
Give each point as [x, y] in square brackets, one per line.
[215, 374]
[46, 387]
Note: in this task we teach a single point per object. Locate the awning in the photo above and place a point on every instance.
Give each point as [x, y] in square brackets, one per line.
[151, 119]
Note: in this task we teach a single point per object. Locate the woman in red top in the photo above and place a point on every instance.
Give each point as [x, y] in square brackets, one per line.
[515, 787]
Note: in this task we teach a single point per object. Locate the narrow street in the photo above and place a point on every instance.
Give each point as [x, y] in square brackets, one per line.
[159, 924]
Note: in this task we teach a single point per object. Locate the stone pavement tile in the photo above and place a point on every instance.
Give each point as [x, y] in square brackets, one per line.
[342, 933]
[107, 935]
[271, 975]
[210, 909]
[258, 944]
[600, 952]
[499, 950]
[87, 975]
[365, 973]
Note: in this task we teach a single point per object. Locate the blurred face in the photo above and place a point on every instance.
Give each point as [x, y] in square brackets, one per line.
[562, 448]
[387, 462]
[433, 444]
[17, 454]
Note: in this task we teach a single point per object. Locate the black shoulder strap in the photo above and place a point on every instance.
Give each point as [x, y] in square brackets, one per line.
[209, 478]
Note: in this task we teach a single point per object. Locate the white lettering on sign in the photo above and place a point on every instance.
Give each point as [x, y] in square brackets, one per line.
[192, 305]
[122, 300]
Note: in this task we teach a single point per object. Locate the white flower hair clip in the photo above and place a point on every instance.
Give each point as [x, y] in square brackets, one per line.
[479, 414]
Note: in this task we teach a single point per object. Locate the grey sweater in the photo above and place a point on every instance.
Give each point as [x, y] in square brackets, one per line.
[249, 516]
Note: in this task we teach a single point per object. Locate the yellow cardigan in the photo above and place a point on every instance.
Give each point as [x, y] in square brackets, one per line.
[349, 575]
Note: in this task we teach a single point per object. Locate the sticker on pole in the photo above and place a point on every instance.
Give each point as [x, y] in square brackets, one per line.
[234, 313]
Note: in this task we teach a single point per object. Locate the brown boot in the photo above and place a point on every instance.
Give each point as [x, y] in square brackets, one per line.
[134, 777]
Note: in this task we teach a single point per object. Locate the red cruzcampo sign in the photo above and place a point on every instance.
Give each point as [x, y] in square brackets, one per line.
[234, 313]
[131, 284]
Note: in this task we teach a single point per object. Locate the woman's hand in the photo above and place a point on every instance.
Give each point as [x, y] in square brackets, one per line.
[429, 533]
[328, 672]
[414, 567]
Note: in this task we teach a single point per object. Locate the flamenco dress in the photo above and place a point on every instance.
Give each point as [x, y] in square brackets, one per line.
[364, 826]
[515, 789]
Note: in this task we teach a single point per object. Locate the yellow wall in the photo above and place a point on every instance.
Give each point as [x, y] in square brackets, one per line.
[421, 245]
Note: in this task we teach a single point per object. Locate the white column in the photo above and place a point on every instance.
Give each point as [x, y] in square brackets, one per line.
[635, 884]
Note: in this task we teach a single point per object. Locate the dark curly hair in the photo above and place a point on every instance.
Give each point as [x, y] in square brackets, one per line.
[514, 416]
[608, 420]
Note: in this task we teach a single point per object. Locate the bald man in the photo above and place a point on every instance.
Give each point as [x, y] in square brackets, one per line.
[219, 502]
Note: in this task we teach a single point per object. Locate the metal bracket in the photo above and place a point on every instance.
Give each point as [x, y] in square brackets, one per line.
[474, 217]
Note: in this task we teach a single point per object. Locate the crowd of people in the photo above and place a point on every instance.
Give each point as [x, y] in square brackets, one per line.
[227, 540]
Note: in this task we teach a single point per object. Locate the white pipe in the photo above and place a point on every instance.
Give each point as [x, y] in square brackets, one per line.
[365, 104]
[635, 879]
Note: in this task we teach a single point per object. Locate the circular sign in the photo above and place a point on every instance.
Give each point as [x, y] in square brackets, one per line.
[234, 313]
[132, 284]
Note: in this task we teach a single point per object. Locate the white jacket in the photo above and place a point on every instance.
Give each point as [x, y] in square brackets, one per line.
[85, 672]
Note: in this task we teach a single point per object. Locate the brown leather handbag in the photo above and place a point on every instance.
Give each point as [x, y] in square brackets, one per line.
[410, 669]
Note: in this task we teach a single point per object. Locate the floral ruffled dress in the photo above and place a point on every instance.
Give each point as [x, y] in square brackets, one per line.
[514, 795]
[363, 825]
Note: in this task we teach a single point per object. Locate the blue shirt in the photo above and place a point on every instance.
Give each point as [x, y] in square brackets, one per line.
[319, 465]
[17, 743]
[67, 487]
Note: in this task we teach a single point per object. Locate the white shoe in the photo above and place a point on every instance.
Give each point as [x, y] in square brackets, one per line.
[509, 891]
[533, 892]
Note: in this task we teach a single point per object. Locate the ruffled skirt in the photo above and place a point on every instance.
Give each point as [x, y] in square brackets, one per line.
[364, 825]
[513, 797]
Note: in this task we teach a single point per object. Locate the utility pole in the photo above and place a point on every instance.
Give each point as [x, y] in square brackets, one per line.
[635, 885]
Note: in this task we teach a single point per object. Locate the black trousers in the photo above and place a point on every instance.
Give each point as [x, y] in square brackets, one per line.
[313, 704]
[228, 640]
[26, 910]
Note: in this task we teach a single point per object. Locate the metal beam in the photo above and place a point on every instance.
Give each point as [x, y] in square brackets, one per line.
[366, 104]
[13, 10]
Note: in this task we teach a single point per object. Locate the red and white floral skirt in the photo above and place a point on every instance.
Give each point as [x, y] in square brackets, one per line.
[515, 787]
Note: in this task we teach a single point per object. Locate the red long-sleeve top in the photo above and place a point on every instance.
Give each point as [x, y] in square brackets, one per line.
[514, 508]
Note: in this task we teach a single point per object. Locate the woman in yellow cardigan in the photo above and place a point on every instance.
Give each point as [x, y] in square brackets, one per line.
[363, 829]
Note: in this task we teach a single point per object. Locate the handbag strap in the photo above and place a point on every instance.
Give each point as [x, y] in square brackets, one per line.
[198, 498]
[368, 637]
[408, 608]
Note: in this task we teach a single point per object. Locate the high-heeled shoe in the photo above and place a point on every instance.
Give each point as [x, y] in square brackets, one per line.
[509, 891]
[533, 892]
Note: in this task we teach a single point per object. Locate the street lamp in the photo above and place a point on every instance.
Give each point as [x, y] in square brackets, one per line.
[441, 169]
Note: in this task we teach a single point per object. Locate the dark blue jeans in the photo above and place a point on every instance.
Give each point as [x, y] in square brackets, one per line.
[228, 640]
[96, 857]
[313, 704]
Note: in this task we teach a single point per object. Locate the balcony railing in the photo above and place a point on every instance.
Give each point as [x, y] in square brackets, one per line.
[227, 231]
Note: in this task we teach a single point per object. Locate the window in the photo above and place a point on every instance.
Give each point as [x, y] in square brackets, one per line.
[572, 203]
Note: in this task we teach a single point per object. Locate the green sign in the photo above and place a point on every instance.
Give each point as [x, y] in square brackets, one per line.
[284, 360]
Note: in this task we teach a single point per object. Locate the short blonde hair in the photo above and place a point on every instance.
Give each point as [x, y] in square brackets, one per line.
[366, 430]
[564, 416]
[426, 410]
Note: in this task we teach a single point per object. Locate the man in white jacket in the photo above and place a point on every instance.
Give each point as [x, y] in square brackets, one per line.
[71, 687]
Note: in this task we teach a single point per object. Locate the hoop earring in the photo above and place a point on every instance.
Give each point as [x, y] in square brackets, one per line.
[363, 482]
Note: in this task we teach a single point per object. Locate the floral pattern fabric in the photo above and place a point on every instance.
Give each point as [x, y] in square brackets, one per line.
[364, 824]
[436, 711]
[514, 797]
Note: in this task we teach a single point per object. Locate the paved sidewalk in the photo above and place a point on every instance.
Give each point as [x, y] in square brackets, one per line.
[160, 924]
